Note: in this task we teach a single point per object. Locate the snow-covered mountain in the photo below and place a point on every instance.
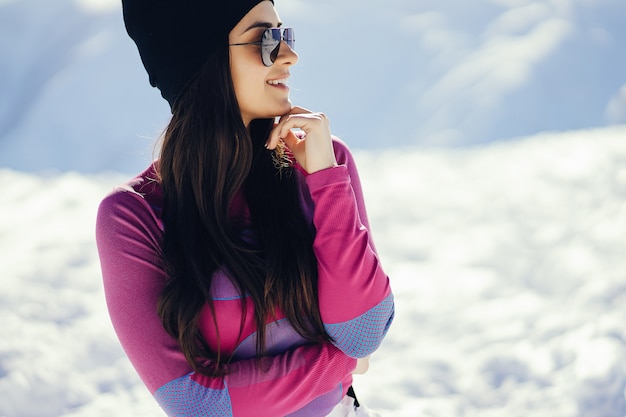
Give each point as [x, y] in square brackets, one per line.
[73, 94]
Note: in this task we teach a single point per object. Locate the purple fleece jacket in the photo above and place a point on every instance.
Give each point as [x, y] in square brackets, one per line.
[298, 379]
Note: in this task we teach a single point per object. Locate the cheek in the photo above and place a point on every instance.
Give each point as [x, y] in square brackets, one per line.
[248, 94]
[248, 79]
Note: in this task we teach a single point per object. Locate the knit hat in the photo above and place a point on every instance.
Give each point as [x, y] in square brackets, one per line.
[176, 37]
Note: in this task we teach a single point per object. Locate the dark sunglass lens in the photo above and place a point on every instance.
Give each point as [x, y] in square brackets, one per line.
[273, 44]
[271, 41]
[268, 44]
[274, 53]
[288, 37]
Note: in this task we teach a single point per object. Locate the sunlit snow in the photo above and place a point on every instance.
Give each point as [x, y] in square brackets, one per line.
[507, 262]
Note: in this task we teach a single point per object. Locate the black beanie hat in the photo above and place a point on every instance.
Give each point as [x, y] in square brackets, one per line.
[176, 37]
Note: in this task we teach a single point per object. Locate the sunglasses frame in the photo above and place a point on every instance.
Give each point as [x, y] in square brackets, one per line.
[270, 43]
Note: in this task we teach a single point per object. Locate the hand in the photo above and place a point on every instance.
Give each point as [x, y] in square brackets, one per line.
[362, 365]
[314, 152]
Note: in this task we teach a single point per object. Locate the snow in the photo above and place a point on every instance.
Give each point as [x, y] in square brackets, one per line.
[507, 262]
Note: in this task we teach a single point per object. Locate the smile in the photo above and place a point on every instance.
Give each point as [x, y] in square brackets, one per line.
[278, 82]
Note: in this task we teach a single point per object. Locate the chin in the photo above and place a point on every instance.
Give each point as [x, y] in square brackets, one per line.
[285, 108]
[272, 110]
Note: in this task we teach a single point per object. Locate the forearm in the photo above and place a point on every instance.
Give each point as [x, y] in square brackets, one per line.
[281, 385]
[356, 302]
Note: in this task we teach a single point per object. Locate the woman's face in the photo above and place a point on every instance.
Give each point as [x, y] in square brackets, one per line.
[261, 91]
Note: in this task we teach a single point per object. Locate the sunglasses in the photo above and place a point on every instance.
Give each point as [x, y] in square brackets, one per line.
[270, 43]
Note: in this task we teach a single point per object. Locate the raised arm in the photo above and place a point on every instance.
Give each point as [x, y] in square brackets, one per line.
[128, 237]
[355, 297]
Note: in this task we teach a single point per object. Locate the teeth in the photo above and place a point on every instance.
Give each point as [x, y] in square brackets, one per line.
[276, 82]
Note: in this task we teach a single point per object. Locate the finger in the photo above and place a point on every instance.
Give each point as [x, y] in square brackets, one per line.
[301, 121]
[291, 141]
[298, 110]
[272, 140]
[275, 134]
[280, 130]
[294, 110]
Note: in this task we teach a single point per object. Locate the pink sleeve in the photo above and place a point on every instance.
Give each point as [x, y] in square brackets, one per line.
[355, 297]
[128, 237]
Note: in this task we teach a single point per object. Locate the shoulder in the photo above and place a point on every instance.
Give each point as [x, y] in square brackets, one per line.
[139, 200]
[145, 186]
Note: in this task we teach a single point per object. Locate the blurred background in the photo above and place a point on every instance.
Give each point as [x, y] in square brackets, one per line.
[394, 74]
[491, 142]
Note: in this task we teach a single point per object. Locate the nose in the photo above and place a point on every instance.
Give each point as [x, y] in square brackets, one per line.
[286, 55]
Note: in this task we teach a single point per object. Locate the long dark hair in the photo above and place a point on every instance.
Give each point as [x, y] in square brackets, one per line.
[208, 156]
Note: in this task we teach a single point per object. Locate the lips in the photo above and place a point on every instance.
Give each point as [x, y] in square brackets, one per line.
[279, 81]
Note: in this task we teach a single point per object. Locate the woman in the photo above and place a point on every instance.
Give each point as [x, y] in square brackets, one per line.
[239, 271]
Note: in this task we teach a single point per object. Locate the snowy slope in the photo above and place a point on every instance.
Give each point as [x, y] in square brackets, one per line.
[507, 262]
